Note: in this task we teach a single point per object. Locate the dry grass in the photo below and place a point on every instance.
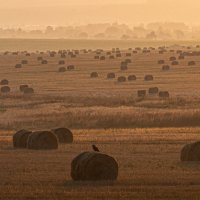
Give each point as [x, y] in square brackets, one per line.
[75, 100]
[149, 163]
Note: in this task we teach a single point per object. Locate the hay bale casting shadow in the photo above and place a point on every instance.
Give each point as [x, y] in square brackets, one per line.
[20, 138]
[42, 140]
[64, 135]
[94, 166]
[191, 152]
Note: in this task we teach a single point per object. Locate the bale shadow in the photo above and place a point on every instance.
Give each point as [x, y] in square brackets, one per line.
[92, 184]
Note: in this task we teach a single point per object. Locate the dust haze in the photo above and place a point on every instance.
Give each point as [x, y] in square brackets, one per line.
[65, 12]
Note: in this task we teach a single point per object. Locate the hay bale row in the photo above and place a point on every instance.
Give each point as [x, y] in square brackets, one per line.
[40, 140]
[20, 138]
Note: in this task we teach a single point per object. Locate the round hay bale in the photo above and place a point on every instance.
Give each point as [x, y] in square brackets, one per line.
[118, 55]
[22, 87]
[18, 66]
[191, 63]
[121, 79]
[165, 68]
[128, 60]
[70, 67]
[110, 75]
[175, 63]
[94, 166]
[28, 90]
[52, 54]
[164, 94]
[172, 58]
[20, 138]
[44, 62]
[153, 90]
[39, 58]
[64, 135]
[191, 152]
[132, 78]
[62, 69]
[96, 57]
[148, 78]
[24, 62]
[4, 82]
[141, 93]
[42, 140]
[94, 75]
[5, 89]
[181, 57]
[111, 57]
[123, 66]
[28, 54]
[128, 54]
[63, 55]
[102, 58]
[108, 53]
[73, 56]
[160, 62]
[61, 62]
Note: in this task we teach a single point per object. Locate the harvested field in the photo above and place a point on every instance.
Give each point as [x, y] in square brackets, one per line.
[149, 166]
[71, 93]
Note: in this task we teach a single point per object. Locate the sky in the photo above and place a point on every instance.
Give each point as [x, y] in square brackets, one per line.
[14, 13]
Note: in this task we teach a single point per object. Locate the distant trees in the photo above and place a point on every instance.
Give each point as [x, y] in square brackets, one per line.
[152, 31]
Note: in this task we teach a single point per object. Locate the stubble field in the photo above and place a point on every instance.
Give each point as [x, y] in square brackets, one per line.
[136, 131]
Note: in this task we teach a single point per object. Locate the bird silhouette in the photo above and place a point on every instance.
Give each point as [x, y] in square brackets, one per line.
[95, 148]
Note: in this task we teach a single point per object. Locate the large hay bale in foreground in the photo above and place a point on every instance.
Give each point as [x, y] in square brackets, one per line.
[42, 140]
[20, 138]
[191, 152]
[94, 166]
[64, 135]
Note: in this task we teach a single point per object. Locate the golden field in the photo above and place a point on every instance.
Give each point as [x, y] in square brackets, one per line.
[145, 135]
[149, 166]
[75, 100]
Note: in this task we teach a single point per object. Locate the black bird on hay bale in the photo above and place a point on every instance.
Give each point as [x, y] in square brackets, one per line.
[95, 148]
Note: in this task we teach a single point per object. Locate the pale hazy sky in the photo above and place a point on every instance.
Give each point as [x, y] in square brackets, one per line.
[64, 12]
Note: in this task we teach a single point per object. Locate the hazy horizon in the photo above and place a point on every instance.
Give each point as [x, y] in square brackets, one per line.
[23, 13]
